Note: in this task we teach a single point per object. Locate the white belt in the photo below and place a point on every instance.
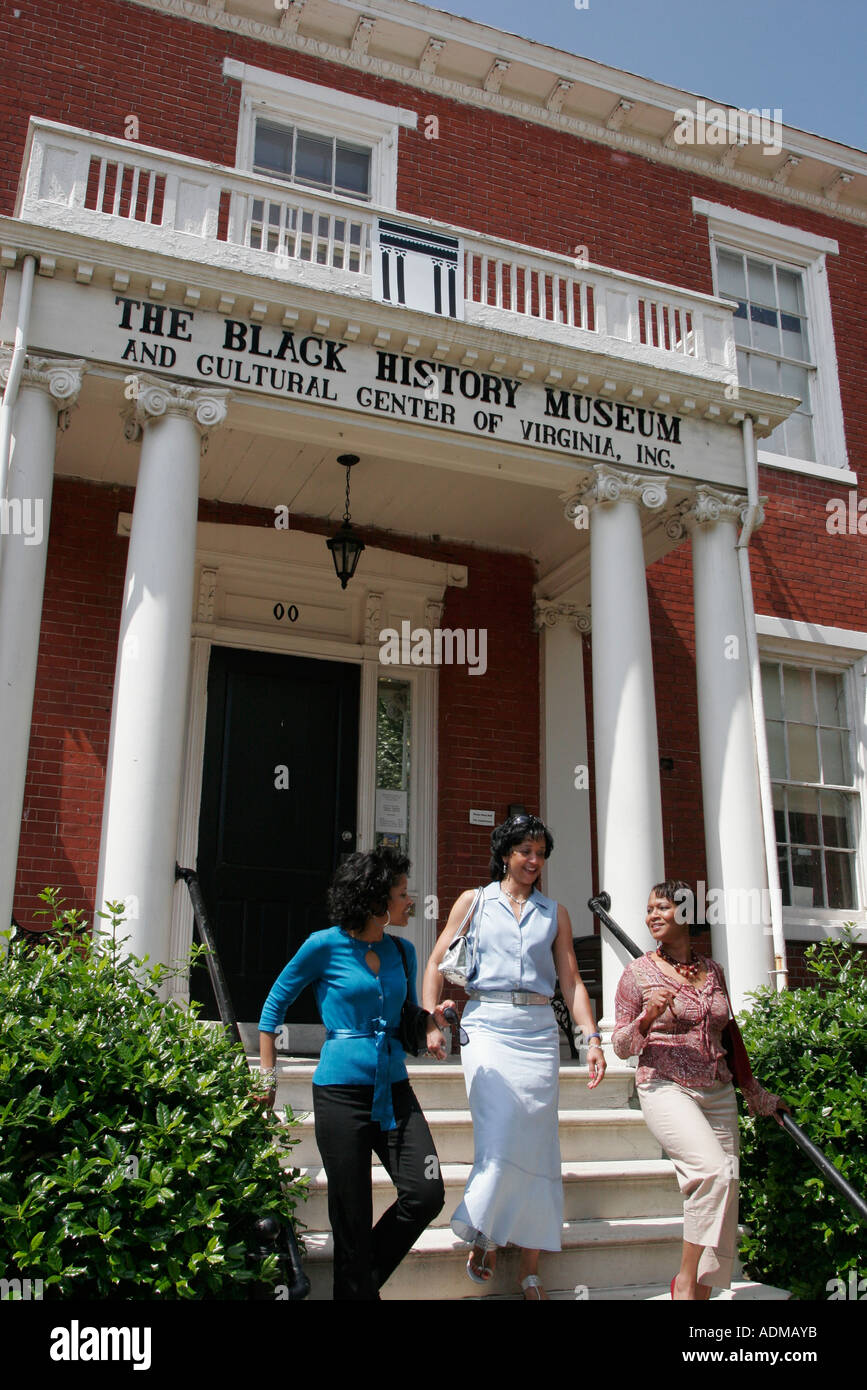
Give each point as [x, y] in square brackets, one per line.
[508, 996]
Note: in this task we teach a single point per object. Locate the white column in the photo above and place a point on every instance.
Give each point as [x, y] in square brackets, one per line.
[626, 750]
[143, 777]
[24, 517]
[729, 771]
[565, 785]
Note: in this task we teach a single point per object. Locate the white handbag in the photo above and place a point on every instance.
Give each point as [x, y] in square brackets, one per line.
[456, 965]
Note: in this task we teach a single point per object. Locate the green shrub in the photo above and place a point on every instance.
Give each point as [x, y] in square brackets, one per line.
[810, 1047]
[135, 1158]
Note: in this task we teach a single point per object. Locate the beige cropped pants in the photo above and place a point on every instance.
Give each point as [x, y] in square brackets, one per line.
[698, 1128]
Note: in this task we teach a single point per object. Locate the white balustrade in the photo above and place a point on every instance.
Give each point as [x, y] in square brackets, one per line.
[159, 200]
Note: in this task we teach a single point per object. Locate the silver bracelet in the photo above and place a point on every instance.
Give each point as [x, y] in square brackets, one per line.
[268, 1075]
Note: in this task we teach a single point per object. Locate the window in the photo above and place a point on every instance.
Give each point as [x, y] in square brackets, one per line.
[784, 334]
[316, 161]
[318, 137]
[816, 805]
[393, 767]
[773, 341]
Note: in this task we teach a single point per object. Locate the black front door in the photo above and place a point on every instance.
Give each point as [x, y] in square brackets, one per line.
[278, 810]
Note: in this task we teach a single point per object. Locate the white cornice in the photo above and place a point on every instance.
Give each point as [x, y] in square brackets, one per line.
[560, 66]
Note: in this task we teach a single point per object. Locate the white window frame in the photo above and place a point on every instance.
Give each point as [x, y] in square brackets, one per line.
[732, 230]
[845, 653]
[324, 111]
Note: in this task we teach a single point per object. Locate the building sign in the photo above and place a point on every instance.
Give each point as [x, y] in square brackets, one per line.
[139, 335]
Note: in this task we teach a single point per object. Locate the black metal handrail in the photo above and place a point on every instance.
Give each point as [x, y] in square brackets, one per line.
[599, 906]
[215, 966]
[273, 1237]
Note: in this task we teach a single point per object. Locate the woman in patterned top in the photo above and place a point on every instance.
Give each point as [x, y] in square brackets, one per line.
[671, 1008]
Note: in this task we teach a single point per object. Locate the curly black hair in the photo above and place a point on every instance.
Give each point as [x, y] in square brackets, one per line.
[362, 884]
[515, 831]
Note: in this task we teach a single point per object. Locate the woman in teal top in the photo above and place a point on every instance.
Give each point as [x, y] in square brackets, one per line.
[362, 1099]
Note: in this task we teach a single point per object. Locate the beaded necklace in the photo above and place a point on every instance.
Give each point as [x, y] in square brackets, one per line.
[688, 969]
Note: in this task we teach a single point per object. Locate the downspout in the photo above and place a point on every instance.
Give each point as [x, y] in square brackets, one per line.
[760, 733]
[16, 367]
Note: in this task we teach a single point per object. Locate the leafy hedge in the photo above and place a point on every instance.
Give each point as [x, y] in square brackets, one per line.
[809, 1046]
[135, 1156]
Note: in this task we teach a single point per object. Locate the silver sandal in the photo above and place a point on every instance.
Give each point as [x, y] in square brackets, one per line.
[532, 1281]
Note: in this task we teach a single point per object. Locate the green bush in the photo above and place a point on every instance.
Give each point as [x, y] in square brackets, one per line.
[810, 1047]
[135, 1156]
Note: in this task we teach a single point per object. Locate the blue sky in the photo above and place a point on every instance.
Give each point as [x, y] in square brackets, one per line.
[806, 57]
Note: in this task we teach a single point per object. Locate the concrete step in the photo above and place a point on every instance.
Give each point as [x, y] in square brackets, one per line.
[600, 1254]
[617, 1188]
[585, 1136]
[440, 1086]
[742, 1291]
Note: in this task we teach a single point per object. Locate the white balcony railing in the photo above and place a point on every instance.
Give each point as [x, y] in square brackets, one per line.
[167, 203]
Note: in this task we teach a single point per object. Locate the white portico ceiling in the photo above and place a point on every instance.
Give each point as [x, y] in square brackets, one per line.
[393, 487]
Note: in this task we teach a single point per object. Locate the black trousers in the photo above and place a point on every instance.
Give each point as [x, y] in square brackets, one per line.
[364, 1254]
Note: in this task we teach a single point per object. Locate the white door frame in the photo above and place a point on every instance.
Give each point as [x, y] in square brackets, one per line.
[239, 570]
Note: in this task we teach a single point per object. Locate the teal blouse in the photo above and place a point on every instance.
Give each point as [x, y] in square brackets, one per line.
[360, 1010]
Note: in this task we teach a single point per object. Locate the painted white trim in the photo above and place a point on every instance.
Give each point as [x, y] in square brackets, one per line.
[834, 644]
[841, 476]
[731, 229]
[565, 808]
[779, 238]
[329, 112]
[422, 792]
[313, 93]
[844, 651]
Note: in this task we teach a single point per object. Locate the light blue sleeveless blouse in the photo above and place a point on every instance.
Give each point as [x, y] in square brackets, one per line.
[506, 954]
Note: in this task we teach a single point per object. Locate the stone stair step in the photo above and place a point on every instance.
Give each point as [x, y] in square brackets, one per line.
[617, 1188]
[597, 1254]
[741, 1291]
[441, 1086]
[585, 1135]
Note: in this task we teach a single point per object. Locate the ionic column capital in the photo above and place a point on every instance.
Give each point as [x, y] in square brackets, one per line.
[609, 485]
[154, 399]
[710, 505]
[60, 377]
[547, 613]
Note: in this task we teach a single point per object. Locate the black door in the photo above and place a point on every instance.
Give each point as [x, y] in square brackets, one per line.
[278, 811]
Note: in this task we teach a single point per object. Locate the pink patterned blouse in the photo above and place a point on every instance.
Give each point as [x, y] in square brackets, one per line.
[685, 1042]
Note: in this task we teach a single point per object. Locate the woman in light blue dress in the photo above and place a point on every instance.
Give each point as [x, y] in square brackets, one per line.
[520, 943]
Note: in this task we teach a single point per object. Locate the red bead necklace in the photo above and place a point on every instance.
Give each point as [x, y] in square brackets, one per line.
[688, 969]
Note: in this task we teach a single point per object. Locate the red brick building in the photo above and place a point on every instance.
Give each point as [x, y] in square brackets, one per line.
[571, 349]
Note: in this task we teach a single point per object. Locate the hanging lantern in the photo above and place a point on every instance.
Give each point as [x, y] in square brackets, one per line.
[346, 546]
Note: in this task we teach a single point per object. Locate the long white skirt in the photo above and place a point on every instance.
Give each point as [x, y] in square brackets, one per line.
[512, 1072]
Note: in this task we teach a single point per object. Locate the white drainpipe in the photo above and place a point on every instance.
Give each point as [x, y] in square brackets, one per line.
[761, 739]
[10, 395]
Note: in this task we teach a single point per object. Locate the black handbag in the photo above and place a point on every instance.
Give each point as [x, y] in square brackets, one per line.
[412, 1028]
